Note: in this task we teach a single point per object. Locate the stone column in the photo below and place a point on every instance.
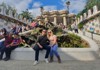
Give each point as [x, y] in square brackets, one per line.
[81, 18]
[89, 13]
[28, 21]
[46, 19]
[64, 20]
[39, 21]
[55, 20]
[78, 20]
[2, 10]
[10, 13]
[95, 9]
[24, 20]
[20, 17]
[15, 15]
[85, 16]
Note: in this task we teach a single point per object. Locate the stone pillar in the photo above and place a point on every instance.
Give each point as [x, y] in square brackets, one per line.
[39, 21]
[78, 20]
[81, 18]
[55, 20]
[20, 17]
[28, 21]
[89, 13]
[95, 9]
[1, 10]
[15, 15]
[64, 21]
[24, 20]
[46, 19]
[4, 11]
[10, 13]
[85, 16]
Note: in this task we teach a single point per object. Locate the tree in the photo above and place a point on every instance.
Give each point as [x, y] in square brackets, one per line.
[26, 14]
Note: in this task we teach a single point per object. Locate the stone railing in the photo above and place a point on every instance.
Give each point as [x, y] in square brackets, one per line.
[12, 16]
[90, 19]
[91, 13]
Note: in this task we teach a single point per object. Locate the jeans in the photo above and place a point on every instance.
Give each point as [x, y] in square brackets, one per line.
[37, 49]
[2, 49]
[54, 50]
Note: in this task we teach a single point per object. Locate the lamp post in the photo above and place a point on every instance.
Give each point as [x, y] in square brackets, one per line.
[68, 3]
[41, 9]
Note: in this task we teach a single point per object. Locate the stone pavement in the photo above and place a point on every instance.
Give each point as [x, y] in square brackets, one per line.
[65, 65]
[96, 38]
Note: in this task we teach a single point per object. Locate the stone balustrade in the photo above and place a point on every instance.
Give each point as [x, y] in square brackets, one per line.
[91, 18]
[10, 15]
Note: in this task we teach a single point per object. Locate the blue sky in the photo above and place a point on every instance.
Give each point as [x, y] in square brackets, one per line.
[34, 5]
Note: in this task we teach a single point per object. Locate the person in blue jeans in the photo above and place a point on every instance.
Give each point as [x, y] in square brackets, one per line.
[8, 40]
[53, 45]
[1, 47]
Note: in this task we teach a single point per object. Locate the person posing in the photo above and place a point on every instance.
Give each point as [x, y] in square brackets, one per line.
[53, 45]
[42, 43]
[7, 40]
[10, 47]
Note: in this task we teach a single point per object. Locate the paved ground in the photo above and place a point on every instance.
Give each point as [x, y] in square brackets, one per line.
[66, 65]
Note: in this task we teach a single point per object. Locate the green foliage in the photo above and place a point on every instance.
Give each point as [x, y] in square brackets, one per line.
[80, 26]
[71, 41]
[57, 31]
[26, 14]
[91, 3]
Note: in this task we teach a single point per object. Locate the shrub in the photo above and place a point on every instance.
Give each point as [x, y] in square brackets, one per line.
[71, 41]
[80, 26]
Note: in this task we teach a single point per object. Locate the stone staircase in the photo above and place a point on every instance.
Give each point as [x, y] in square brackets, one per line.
[98, 42]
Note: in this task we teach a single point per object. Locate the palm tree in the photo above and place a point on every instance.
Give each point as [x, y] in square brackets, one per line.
[26, 14]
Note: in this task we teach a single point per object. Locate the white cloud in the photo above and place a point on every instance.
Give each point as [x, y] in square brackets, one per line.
[37, 4]
[20, 5]
[49, 8]
[36, 11]
[75, 5]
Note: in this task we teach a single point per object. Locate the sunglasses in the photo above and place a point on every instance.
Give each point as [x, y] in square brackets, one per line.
[49, 32]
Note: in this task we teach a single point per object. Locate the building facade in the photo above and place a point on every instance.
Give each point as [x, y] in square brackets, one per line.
[57, 17]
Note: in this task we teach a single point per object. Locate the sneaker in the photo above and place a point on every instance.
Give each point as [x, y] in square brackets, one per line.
[46, 60]
[35, 63]
[6, 59]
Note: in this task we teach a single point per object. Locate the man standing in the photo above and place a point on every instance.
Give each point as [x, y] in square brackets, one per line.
[42, 43]
[76, 28]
